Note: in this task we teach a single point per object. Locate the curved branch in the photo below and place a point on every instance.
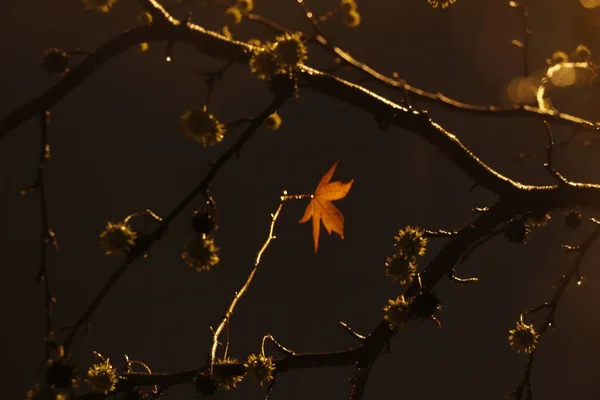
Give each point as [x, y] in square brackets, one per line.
[441, 99]
[402, 86]
[216, 45]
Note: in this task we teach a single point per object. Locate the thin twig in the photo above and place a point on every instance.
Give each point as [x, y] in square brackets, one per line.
[440, 233]
[549, 153]
[47, 236]
[352, 332]
[211, 78]
[277, 345]
[244, 288]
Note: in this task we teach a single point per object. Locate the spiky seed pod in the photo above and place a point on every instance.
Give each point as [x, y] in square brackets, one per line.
[60, 374]
[202, 127]
[441, 3]
[523, 337]
[410, 242]
[102, 377]
[117, 238]
[201, 253]
[397, 313]
[227, 382]
[205, 385]
[400, 269]
[516, 231]
[424, 305]
[99, 5]
[233, 16]
[352, 19]
[260, 368]
[573, 219]
[55, 61]
[265, 63]
[291, 50]
[273, 122]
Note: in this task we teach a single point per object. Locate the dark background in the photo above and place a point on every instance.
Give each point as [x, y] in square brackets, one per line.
[117, 149]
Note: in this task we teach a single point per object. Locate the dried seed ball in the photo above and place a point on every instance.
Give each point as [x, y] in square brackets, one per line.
[573, 219]
[202, 127]
[260, 368]
[99, 5]
[400, 269]
[245, 6]
[55, 61]
[516, 231]
[410, 242]
[233, 16]
[117, 238]
[227, 382]
[424, 305]
[273, 122]
[291, 49]
[201, 253]
[352, 19]
[397, 313]
[265, 63]
[523, 338]
[102, 377]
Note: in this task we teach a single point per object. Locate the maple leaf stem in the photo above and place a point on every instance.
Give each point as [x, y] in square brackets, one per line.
[286, 196]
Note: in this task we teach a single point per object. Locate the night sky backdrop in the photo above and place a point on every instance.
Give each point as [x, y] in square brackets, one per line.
[117, 149]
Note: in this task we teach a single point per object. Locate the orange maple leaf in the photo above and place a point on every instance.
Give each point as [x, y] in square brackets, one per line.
[320, 207]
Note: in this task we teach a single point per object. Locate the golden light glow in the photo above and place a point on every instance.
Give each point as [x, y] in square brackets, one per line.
[590, 3]
[523, 90]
